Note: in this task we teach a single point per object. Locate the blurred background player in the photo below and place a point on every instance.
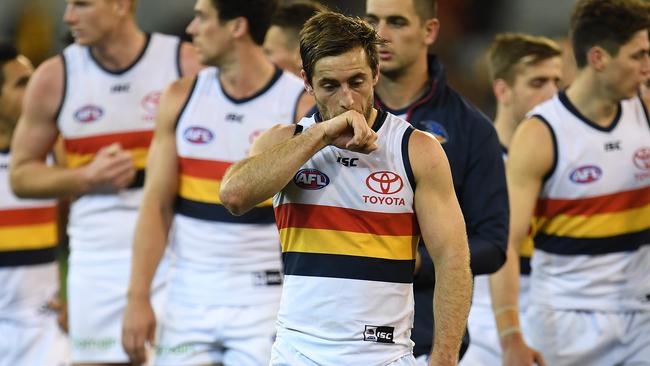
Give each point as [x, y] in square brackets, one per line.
[581, 166]
[282, 41]
[101, 96]
[225, 284]
[525, 71]
[413, 86]
[28, 240]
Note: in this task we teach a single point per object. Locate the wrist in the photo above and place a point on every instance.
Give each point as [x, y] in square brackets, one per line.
[510, 336]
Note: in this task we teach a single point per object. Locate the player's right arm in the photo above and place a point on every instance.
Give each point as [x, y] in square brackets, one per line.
[530, 158]
[154, 221]
[112, 168]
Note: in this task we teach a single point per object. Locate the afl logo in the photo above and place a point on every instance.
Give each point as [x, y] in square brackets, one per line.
[586, 174]
[150, 102]
[384, 182]
[642, 158]
[311, 179]
[198, 135]
[89, 113]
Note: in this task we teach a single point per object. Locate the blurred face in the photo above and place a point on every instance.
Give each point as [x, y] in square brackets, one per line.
[342, 83]
[90, 21]
[408, 36]
[210, 36]
[534, 84]
[16, 74]
[280, 50]
[630, 68]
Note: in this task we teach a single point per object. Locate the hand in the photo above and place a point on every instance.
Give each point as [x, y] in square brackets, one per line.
[112, 169]
[517, 353]
[138, 329]
[59, 306]
[350, 131]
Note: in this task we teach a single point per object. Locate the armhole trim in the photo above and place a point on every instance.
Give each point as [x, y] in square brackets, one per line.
[187, 101]
[555, 153]
[406, 137]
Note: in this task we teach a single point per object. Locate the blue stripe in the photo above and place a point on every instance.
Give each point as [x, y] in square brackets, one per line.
[406, 158]
[524, 265]
[138, 181]
[347, 266]
[27, 257]
[592, 246]
[215, 212]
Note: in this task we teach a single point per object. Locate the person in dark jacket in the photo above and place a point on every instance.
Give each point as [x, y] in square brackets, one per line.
[413, 86]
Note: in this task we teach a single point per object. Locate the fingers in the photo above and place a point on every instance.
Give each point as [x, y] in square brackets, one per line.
[539, 360]
[133, 342]
[364, 138]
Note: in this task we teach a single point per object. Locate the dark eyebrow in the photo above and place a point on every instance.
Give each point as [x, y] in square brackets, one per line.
[22, 81]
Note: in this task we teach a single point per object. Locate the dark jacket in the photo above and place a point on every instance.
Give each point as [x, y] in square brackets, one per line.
[472, 147]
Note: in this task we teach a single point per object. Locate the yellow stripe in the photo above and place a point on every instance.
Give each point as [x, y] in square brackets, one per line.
[204, 190]
[348, 243]
[596, 226]
[28, 237]
[76, 160]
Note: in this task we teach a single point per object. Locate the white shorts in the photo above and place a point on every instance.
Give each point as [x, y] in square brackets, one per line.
[29, 332]
[589, 337]
[96, 302]
[283, 354]
[191, 334]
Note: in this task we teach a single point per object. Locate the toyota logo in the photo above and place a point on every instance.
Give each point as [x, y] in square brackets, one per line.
[384, 182]
[642, 158]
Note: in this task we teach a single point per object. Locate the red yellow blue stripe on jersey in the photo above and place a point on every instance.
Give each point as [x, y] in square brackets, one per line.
[198, 194]
[595, 225]
[27, 235]
[347, 243]
[81, 151]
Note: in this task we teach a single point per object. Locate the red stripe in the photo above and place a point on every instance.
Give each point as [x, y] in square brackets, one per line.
[90, 145]
[198, 168]
[27, 216]
[610, 203]
[297, 215]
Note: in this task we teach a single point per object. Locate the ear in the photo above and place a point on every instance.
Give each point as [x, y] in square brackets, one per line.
[306, 83]
[501, 91]
[598, 58]
[431, 28]
[239, 27]
[122, 7]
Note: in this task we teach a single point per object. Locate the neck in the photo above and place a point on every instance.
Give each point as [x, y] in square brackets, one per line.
[592, 98]
[246, 73]
[6, 131]
[400, 89]
[121, 48]
[505, 124]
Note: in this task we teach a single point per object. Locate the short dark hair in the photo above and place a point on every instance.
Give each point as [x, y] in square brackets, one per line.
[8, 52]
[606, 23]
[257, 12]
[509, 51]
[292, 16]
[426, 9]
[332, 34]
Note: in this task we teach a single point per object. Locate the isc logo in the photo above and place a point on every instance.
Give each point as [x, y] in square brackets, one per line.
[586, 174]
[311, 179]
[198, 135]
[374, 333]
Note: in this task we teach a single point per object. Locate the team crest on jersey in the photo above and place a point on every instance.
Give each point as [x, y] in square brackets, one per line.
[88, 113]
[586, 174]
[311, 179]
[436, 129]
[198, 135]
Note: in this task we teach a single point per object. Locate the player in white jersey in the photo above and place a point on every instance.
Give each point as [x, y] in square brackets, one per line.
[581, 166]
[225, 282]
[525, 70]
[101, 97]
[28, 239]
[345, 204]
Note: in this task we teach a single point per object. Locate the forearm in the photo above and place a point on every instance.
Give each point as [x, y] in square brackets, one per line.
[38, 180]
[259, 177]
[451, 301]
[148, 248]
[504, 291]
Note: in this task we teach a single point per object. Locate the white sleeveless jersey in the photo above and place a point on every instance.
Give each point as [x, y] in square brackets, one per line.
[100, 108]
[236, 253]
[593, 214]
[349, 235]
[28, 231]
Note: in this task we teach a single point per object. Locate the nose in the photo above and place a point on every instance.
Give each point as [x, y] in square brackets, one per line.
[346, 100]
[69, 16]
[382, 29]
[191, 28]
[645, 65]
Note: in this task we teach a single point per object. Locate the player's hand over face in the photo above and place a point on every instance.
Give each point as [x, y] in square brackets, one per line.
[138, 329]
[112, 169]
[350, 131]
